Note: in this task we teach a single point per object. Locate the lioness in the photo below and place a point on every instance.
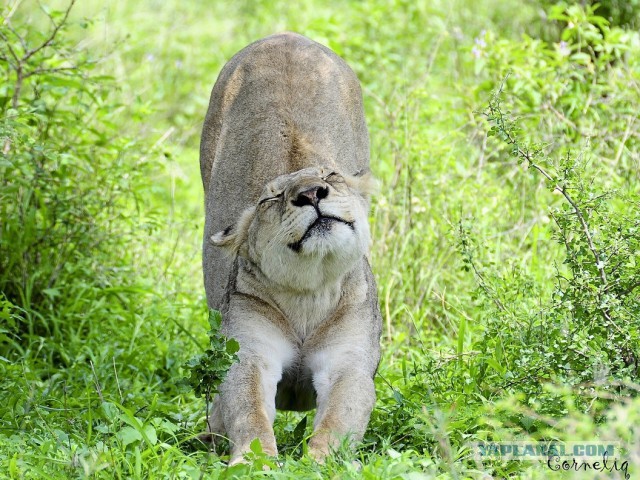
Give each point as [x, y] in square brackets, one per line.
[285, 165]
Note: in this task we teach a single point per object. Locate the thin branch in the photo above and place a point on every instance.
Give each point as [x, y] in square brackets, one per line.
[18, 36]
[45, 71]
[53, 34]
[11, 51]
[561, 117]
[495, 115]
[483, 285]
[96, 381]
[21, 62]
[18, 86]
[481, 281]
[14, 7]
[526, 155]
[561, 232]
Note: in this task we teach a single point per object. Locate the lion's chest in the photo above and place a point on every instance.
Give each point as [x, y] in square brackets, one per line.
[306, 312]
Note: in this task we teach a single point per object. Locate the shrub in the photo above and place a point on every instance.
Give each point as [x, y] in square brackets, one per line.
[589, 330]
[69, 179]
[620, 13]
[579, 87]
[524, 333]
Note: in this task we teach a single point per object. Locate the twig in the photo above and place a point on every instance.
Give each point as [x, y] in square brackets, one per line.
[483, 285]
[97, 382]
[39, 71]
[21, 61]
[561, 117]
[14, 7]
[625, 137]
[53, 34]
[10, 48]
[481, 281]
[115, 370]
[495, 114]
[20, 38]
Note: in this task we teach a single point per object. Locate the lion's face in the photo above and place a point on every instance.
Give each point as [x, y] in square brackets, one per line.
[307, 228]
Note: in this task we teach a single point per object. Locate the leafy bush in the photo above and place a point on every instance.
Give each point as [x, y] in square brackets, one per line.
[579, 327]
[586, 328]
[70, 179]
[83, 330]
[590, 330]
[582, 81]
[208, 370]
[620, 13]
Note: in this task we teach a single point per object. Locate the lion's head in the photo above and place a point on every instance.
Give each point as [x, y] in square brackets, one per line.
[307, 229]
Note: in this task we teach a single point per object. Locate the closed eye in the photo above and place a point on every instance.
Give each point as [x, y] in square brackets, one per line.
[270, 199]
[334, 177]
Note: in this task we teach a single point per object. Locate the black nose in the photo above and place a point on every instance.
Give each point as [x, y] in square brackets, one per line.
[310, 196]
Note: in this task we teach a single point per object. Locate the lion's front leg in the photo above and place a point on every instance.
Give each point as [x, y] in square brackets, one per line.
[247, 400]
[346, 396]
[248, 393]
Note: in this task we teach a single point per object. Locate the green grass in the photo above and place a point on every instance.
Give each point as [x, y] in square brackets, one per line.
[90, 372]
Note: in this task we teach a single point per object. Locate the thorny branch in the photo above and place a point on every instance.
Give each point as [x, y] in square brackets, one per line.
[494, 114]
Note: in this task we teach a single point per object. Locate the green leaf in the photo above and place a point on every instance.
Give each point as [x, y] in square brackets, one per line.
[215, 319]
[150, 434]
[495, 365]
[256, 446]
[109, 410]
[232, 346]
[129, 435]
[298, 432]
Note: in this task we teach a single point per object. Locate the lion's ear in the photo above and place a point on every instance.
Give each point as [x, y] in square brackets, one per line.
[363, 182]
[234, 237]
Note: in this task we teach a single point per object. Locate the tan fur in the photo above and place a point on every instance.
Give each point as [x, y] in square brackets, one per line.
[285, 167]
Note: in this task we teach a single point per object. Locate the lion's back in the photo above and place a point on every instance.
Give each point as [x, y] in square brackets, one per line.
[281, 104]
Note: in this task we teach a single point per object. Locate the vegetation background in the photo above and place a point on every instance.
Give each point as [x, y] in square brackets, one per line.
[506, 236]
